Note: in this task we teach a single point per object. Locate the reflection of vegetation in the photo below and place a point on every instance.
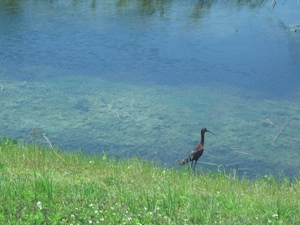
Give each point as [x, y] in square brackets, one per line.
[10, 5]
[151, 6]
[201, 7]
[147, 8]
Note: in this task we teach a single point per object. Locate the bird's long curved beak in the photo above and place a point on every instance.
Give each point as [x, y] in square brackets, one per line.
[211, 132]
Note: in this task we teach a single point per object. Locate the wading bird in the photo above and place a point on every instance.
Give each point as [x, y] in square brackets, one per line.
[198, 150]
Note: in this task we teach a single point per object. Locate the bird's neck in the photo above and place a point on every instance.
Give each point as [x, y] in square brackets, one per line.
[202, 139]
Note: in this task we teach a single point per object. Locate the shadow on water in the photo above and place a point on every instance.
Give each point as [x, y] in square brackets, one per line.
[143, 77]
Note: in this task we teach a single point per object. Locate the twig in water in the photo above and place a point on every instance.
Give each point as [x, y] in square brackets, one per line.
[267, 121]
[238, 150]
[232, 164]
[245, 153]
[118, 115]
[213, 164]
[289, 107]
[270, 102]
[280, 131]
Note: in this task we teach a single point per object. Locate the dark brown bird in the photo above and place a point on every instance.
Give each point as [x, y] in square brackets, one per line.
[196, 153]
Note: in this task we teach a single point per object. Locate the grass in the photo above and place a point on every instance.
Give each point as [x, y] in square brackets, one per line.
[39, 185]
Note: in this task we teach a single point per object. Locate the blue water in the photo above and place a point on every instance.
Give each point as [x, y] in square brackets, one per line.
[142, 78]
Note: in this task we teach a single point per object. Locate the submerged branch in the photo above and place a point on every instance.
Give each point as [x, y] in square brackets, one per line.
[280, 131]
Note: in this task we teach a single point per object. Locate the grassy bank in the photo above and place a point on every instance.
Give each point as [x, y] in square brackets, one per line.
[42, 186]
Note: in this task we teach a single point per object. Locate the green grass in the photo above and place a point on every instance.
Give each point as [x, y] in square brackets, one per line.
[39, 185]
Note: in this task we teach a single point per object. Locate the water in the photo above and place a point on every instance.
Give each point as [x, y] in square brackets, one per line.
[143, 77]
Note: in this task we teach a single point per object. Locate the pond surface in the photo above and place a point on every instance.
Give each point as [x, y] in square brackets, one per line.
[141, 78]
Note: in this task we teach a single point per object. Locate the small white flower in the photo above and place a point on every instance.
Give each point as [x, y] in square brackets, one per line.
[39, 205]
[275, 215]
[90, 222]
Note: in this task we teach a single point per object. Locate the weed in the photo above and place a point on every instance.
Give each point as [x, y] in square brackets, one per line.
[38, 187]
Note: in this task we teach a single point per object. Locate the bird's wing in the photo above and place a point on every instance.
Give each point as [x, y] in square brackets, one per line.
[189, 152]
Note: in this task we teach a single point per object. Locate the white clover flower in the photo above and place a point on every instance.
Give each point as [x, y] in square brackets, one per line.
[39, 205]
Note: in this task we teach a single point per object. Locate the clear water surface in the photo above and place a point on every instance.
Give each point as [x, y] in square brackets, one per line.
[141, 78]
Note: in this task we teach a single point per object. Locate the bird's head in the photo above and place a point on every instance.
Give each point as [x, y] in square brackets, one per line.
[203, 130]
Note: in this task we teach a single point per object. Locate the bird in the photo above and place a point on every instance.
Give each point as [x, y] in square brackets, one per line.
[197, 152]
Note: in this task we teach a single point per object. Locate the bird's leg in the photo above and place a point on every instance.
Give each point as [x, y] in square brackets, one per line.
[192, 162]
[195, 165]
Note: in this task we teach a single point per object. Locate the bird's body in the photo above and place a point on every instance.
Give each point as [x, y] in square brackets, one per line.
[197, 152]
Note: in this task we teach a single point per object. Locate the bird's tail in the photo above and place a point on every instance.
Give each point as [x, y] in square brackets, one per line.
[184, 161]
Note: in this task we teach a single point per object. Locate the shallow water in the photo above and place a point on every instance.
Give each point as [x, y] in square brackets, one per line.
[142, 78]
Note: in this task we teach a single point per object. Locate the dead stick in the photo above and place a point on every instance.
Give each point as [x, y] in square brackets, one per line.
[289, 107]
[270, 102]
[48, 141]
[232, 164]
[118, 115]
[280, 131]
[213, 164]
[242, 152]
